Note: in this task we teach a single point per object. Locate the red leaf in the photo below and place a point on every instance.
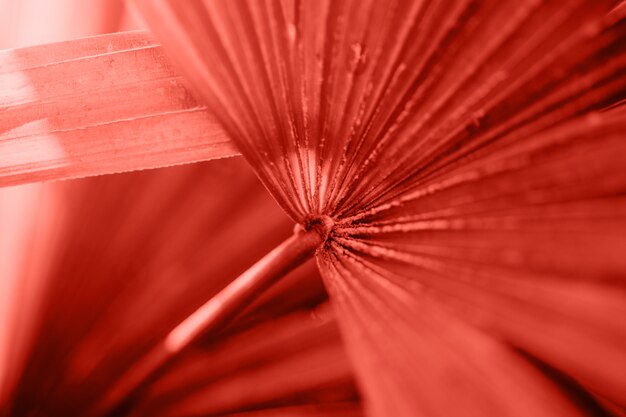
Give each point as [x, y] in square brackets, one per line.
[95, 106]
[477, 213]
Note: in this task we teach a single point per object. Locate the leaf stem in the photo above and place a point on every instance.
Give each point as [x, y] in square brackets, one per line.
[215, 313]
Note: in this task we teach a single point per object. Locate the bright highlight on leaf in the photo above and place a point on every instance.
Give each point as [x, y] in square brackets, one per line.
[96, 106]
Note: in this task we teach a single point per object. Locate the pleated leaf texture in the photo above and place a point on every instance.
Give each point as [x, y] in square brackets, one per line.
[472, 178]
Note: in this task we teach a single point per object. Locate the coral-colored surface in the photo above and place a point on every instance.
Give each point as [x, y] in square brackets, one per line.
[457, 166]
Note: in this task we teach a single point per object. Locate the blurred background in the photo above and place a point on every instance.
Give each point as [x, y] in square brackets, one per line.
[94, 272]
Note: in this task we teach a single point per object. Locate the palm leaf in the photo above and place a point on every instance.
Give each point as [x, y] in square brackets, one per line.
[475, 210]
[95, 106]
